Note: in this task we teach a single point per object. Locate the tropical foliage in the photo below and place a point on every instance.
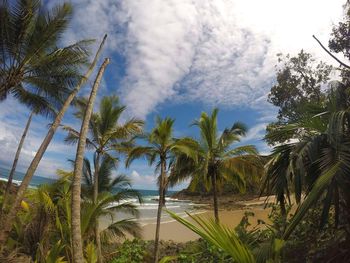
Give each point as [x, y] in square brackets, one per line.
[160, 150]
[307, 170]
[213, 162]
[43, 225]
[106, 135]
[33, 65]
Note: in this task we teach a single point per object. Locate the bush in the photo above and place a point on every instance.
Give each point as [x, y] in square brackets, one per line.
[131, 252]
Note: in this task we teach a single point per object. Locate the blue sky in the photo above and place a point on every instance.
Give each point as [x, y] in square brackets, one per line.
[178, 58]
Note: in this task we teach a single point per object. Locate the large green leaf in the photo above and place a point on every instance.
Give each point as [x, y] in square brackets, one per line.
[320, 185]
[220, 236]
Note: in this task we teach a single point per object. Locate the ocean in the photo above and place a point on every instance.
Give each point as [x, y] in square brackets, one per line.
[147, 210]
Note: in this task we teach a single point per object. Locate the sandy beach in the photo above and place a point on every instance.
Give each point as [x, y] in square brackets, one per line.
[179, 233]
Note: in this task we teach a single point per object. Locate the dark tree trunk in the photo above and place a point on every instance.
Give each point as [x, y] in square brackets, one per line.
[283, 208]
[159, 212]
[215, 198]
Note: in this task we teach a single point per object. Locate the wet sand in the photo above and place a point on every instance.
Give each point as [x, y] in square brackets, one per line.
[179, 233]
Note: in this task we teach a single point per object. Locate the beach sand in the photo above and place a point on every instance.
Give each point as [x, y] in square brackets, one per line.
[179, 233]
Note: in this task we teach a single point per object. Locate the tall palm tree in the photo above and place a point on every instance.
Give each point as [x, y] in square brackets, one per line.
[78, 168]
[160, 150]
[33, 69]
[106, 136]
[7, 219]
[216, 162]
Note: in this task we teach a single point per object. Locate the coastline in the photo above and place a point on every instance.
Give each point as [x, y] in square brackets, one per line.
[229, 216]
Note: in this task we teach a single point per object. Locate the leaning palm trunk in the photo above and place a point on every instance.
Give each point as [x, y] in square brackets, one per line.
[6, 220]
[78, 167]
[95, 195]
[215, 198]
[159, 212]
[15, 161]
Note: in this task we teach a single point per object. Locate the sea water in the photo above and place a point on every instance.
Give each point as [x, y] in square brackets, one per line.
[147, 209]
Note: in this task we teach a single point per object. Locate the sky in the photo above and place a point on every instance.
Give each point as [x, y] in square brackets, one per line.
[178, 58]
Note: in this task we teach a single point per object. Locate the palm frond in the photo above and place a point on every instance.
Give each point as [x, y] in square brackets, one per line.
[321, 183]
[218, 235]
[120, 228]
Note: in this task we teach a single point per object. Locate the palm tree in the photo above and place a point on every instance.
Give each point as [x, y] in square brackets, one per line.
[216, 162]
[7, 220]
[106, 182]
[160, 150]
[33, 69]
[108, 205]
[78, 168]
[46, 216]
[105, 206]
[317, 164]
[278, 175]
[112, 190]
[106, 136]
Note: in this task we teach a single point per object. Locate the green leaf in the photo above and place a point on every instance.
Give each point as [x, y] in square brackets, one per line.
[220, 236]
[320, 185]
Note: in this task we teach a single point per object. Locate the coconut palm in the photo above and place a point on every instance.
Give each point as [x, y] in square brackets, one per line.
[106, 136]
[216, 162]
[78, 169]
[111, 189]
[7, 219]
[115, 193]
[33, 69]
[159, 151]
[106, 206]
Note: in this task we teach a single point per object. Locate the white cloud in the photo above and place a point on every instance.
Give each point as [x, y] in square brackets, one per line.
[143, 181]
[13, 118]
[217, 52]
[220, 52]
[159, 46]
[255, 133]
[149, 181]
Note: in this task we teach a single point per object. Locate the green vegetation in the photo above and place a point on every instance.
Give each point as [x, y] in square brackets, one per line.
[309, 163]
[213, 162]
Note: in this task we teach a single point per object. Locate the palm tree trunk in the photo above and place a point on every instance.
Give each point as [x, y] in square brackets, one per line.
[78, 167]
[15, 161]
[7, 220]
[97, 231]
[283, 208]
[159, 212]
[215, 198]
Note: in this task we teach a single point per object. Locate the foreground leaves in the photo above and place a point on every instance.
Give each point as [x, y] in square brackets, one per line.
[220, 236]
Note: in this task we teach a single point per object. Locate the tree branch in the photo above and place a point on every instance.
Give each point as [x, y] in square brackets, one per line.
[329, 53]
